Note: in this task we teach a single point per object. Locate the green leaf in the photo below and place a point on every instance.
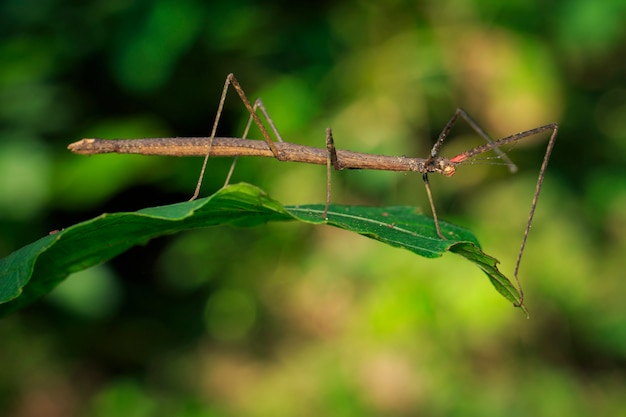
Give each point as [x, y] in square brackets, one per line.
[36, 269]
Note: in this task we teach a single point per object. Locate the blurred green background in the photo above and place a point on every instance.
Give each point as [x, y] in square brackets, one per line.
[291, 319]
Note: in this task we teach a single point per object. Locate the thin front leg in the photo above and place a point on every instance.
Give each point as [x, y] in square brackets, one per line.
[533, 205]
[230, 79]
[542, 171]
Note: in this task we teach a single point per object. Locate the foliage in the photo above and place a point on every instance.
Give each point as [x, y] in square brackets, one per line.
[36, 269]
[288, 319]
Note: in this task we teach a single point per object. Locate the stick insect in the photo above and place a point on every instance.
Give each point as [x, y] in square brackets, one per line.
[330, 156]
